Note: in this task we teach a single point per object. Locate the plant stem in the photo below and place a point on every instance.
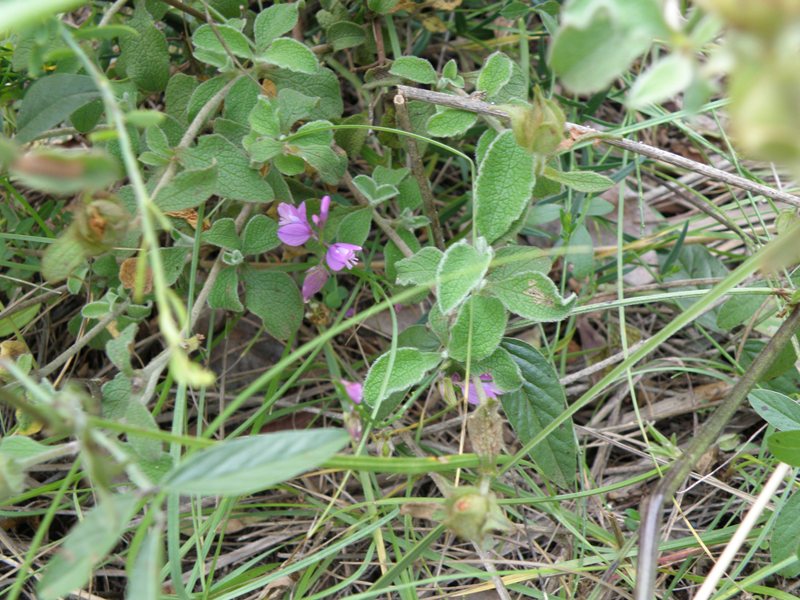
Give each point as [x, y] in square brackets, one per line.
[478, 106]
[652, 508]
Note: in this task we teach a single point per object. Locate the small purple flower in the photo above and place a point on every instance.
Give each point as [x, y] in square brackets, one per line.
[324, 208]
[314, 281]
[342, 255]
[354, 389]
[489, 388]
[293, 227]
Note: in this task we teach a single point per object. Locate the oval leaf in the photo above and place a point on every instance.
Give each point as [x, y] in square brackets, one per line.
[396, 372]
[461, 269]
[478, 329]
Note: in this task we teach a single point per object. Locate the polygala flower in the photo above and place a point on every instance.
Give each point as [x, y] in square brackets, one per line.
[489, 388]
[314, 281]
[354, 389]
[342, 255]
[293, 226]
[324, 208]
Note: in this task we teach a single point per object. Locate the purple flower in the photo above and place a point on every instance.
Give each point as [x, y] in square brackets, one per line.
[315, 279]
[489, 388]
[354, 389]
[293, 227]
[324, 208]
[342, 255]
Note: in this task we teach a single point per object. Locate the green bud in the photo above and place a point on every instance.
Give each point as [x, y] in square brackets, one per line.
[473, 515]
[538, 127]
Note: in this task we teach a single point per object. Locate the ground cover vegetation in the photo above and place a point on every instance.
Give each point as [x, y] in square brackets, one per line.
[399, 298]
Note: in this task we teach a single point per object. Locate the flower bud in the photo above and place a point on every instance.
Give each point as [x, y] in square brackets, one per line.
[538, 127]
[473, 515]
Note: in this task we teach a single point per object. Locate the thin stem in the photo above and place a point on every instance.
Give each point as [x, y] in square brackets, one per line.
[652, 509]
[484, 108]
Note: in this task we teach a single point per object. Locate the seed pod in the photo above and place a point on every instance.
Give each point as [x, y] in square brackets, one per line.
[473, 515]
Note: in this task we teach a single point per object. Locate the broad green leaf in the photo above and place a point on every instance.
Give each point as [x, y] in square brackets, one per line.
[396, 372]
[95, 310]
[50, 101]
[323, 85]
[781, 364]
[119, 349]
[374, 193]
[662, 81]
[253, 463]
[176, 98]
[477, 332]
[510, 261]
[504, 186]
[415, 69]
[145, 57]
[274, 297]
[598, 41]
[223, 234]
[419, 269]
[188, 189]
[580, 252]
[780, 411]
[580, 181]
[235, 179]
[22, 448]
[460, 271]
[419, 337]
[785, 445]
[385, 176]
[17, 320]
[345, 34]
[144, 579]
[85, 546]
[259, 235]
[504, 370]
[62, 257]
[224, 294]
[290, 54]
[487, 137]
[532, 296]
[273, 22]
[785, 540]
[495, 73]
[354, 227]
[739, 309]
[203, 93]
[240, 100]
[120, 404]
[294, 106]
[209, 49]
[538, 403]
[439, 324]
[382, 7]
[696, 262]
[450, 122]
[61, 171]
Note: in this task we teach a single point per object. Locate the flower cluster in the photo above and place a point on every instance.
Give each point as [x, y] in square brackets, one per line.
[471, 392]
[294, 229]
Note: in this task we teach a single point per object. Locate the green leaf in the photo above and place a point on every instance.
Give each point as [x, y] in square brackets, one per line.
[290, 54]
[738, 309]
[85, 546]
[580, 253]
[477, 332]
[460, 271]
[17, 320]
[580, 181]
[259, 235]
[385, 176]
[253, 463]
[144, 580]
[419, 269]
[785, 540]
[176, 98]
[415, 69]
[235, 179]
[224, 294]
[203, 93]
[61, 171]
[495, 73]
[382, 7]
[323, 85]
[780, 411]
[209, 49]
[397, 372]
[510, 261]
[532, 296]
[450, 122]
[223, 234]
[62, 257]
[662, 81]
[504, 370]
[354, 227]
[119, 349]
[274, 297]
[50, 101]
[540, 402]
[696, 262]
[504, 186]
[22, 448]
[374, 193]
[419, 337]
[188, 189]
[241, 99]
[598, 41]
[345, 34]
[273, 22]
[785, 445]
[294, 106]
[439, 324]
[145, 57]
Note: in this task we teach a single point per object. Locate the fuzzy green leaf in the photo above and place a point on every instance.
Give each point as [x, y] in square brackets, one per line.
[505, 372]
[450, 122]
[504, 186]
[273, 22]
[532, 296]
[223, 234]
[145, 57]
[290, 54]
[495, 73]
[477, 332]
[252, 463]
[51, 100]
[354, 227]
[538, 403]
[209, 49]
[460, 271]
[224, 294]
[274, 297]
[323, 85]
[345, 34]
[415, 69]
[785, 445]
[259, 235]
[419, 269]
[374, 193]
[408, 367]
[189, 189]
[662, 81]
[580, 181]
